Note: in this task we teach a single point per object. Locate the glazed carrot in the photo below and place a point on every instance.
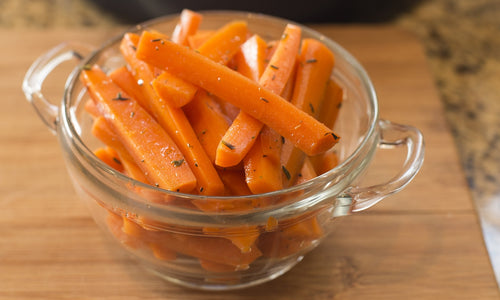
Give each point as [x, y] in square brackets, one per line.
[91, 108]
[207, 121]
[262, 173]
[216, 267]
[234, 181]
[103, 132]
[225, 42]
[251, 59]
[110, 157]
[152, 149]
[324, 162]
[291, 237]
[123, 78]
[242, 237]
[306, 132]
[331, 104]
[215, 249]
[188, 24]
[245, 128]
[115, 226]
[314, 68]
[177, 91]
[197, 39]
[307, 172]
[175, 122]
[145, 74]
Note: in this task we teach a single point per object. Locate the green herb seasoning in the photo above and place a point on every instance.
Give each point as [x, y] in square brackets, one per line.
[286, 172]
[229, 145]
[177, 163]
[264, 99]
[312, 60]
[119, 97]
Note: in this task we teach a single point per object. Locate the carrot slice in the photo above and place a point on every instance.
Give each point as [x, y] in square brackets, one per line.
[197, 39]
[110, 157]
[324, 162]
[207, 121]
[314, 68]
[331, 104]
[307, 133]
[245, 128]
[188, 24]
[242, 237]
[152, 149]
[215, 249]
[127, 82]
[175, 122]
[251, 59]
[307, 172]
[177, 91]
[216, 267]
[103, 132]
[225, 42]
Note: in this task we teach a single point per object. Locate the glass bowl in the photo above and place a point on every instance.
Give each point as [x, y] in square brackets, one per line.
[251, 239]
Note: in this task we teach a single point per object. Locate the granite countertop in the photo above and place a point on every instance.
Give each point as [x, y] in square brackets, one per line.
[461, 38]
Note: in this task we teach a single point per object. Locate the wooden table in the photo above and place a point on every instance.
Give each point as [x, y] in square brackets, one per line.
[423, 243]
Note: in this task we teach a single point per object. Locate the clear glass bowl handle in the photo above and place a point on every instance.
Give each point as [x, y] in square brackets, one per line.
[40, 70]
[392, 135]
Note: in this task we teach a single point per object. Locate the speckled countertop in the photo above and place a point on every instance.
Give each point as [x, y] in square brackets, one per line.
[462, 41]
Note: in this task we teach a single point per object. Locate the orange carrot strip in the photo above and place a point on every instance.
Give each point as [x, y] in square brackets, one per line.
[225, 42]
[306, 132]
[251, 59]
[314, 68]
[262, 173]
[103, 132]
[208, 122]
[177, 91]
[145, 75]
[313, 74]
[91, 108]
[234, 181]
[242, 237]
[152, 149]
[175, 123]
[307, 172]
[197, 39]
[245, 128]
[123, 78]
[331, 104]
[110, 157]
[324, 162]
[115, 226]
[188, 24]
[216, 267]
[215, 249]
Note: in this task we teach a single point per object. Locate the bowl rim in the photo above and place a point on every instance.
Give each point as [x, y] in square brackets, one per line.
[88, 154]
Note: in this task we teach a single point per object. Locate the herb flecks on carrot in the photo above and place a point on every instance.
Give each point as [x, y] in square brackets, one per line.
[143, 137]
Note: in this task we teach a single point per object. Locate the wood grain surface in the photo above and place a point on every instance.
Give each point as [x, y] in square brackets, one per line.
[423, 243]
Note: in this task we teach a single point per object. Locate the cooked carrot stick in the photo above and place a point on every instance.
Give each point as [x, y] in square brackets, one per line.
[216, 267]
[215, 249]
[314, 68]
[91, 108]
[324, 162]
[225, 42]
[123, 78]
[177, 91]
[145, 75]
[188, 24]
[245, 128]
[110, 157]
[234, 181]
[262, 173]
[331, 104]
[152, 149]
[251, 59]
[307, 172]
[197, 39]
[242, 237]
[306, 132]
[207, 121]
[103, 132]
[175, 123]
